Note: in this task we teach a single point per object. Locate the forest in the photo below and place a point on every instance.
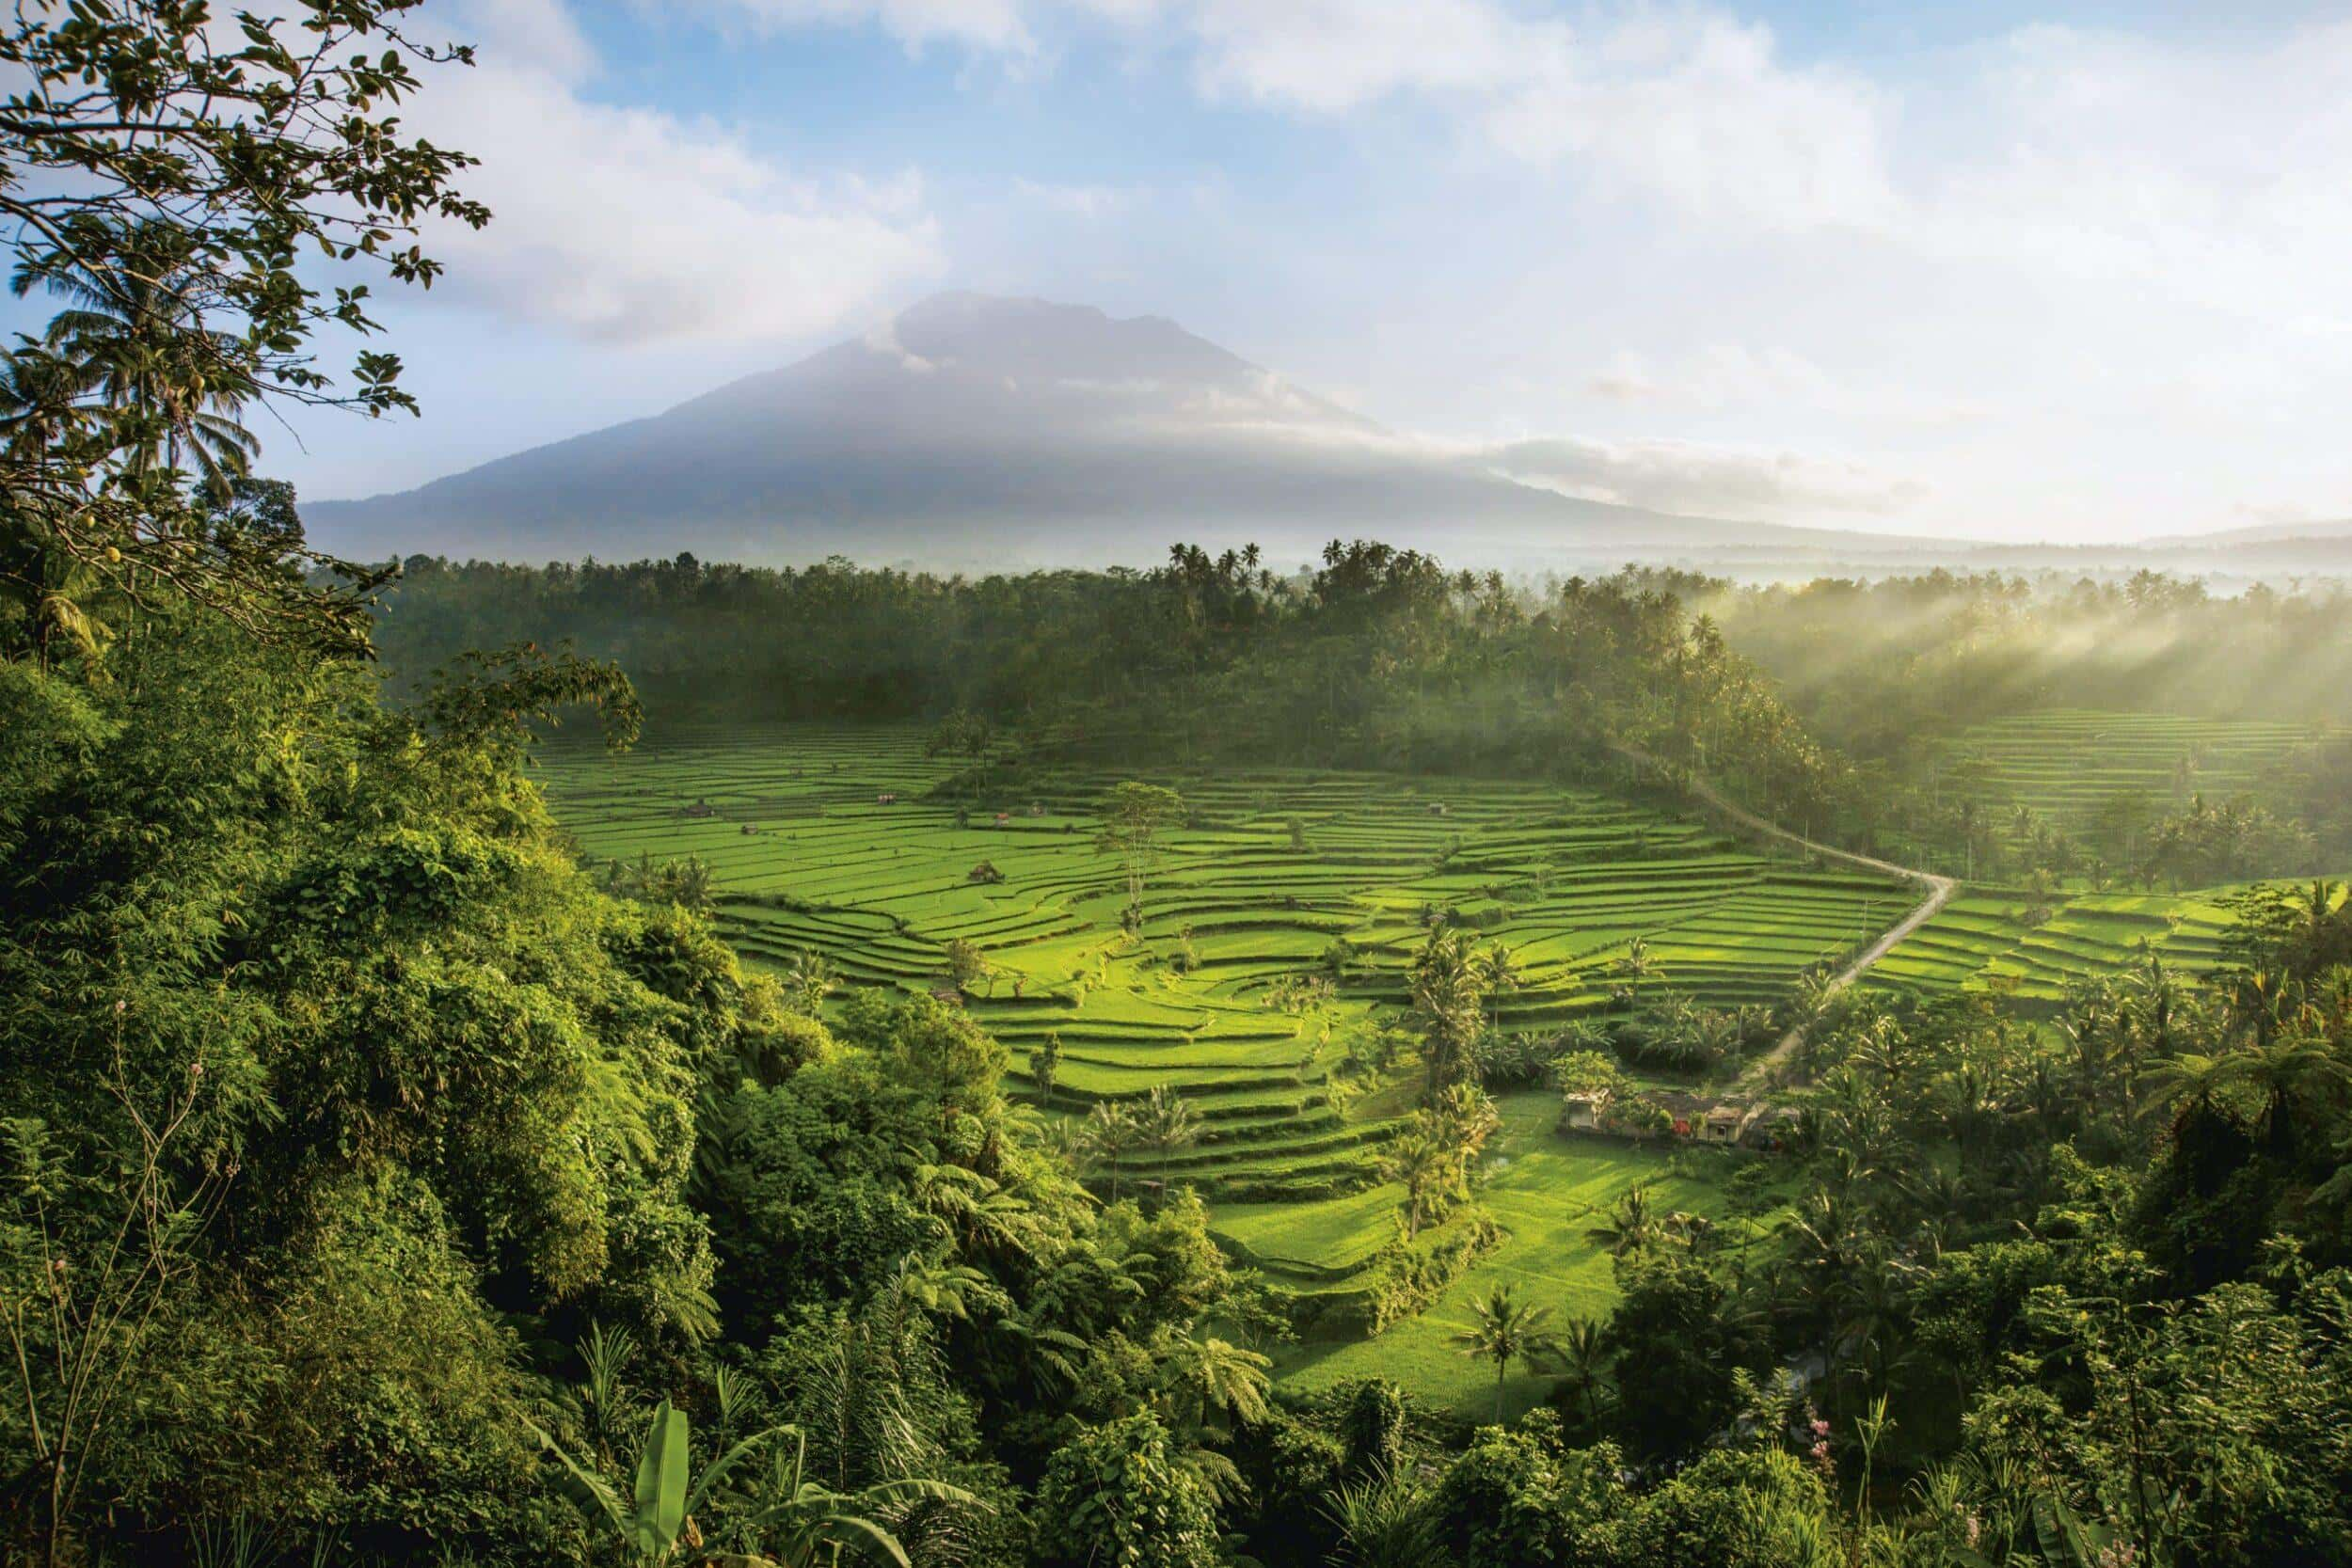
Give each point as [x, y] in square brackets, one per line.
[445, 1119]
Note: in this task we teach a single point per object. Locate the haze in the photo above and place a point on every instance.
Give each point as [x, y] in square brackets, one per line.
[2068, 273]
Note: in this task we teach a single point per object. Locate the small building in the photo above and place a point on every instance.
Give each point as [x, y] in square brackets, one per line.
[1772, 1127]
[702, 808]
[1437, 808]
[1037, 808]
[1002, 818]
[1725, 1122]
[1581, 1112]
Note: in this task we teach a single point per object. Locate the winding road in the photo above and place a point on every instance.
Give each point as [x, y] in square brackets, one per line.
[1940, 891]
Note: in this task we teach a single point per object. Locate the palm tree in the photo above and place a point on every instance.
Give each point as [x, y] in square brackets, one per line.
[1633, 1226]
[2283, 1070]
[138, 335]
[1584, 1356]
[1634, 966]
[1502, 1331]
[2190, 1081]
[1497, 972]
[1164, 1123]
[1424, 1165]
[1107, 1133]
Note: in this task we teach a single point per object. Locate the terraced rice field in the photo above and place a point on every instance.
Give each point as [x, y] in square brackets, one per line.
[808, 857]
[1982, 940]
[1546, 1191]
[2065, 764]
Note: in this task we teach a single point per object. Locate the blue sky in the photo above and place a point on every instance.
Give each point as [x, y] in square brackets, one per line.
[2003, 269]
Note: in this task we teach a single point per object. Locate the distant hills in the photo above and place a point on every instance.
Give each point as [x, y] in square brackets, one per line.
[975, 431]
[972, 432]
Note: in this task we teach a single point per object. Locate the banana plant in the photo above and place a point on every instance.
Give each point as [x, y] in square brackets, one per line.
[652, 1522]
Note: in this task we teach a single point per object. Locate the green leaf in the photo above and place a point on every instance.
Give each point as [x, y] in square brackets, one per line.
[660, 1485]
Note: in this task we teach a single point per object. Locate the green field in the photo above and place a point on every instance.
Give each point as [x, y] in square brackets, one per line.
[2065, 764]
[1566, 878]
[1547, 1191]
[1983, 940]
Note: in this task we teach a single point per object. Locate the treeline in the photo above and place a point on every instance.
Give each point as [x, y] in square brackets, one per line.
[1885, 672]
[1377, 658]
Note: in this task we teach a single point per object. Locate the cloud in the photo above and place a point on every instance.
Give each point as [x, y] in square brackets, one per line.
[1000, 25]
[628, 224]
[1080, 201]
[1704, 480]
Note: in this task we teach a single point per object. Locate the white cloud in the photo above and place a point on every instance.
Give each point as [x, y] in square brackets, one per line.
[1000, 25]
[631, 225]
[1705, 480]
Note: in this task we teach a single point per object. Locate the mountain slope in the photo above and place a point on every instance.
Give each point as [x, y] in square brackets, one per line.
[978, 430]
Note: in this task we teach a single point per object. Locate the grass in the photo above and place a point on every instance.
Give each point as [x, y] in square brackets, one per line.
[1985, 940]
[2064, 764]
[809, 856]
[1547, 1191]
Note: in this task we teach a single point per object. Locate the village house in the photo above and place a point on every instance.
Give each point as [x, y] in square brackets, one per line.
[702, 808]
[1582, 1112]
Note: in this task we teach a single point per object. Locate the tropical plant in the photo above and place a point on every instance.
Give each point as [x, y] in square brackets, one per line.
[1504, 1330]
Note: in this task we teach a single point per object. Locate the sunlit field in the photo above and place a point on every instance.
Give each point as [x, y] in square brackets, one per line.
[1274, 870]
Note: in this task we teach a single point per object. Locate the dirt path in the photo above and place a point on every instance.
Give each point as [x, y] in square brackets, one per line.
[1939, 892]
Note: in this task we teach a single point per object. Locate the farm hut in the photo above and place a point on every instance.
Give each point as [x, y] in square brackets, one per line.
[702, 808]
[947, 995]
[1582, 1112]
[887, 798]
[1688, 1110]
[1037, 808]
[1772, 1127]
[1437, 808]
[1727, 1123]
[1002, 818]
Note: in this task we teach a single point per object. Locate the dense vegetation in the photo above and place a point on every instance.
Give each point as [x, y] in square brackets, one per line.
[2144, 728]
[381, 1184]
[1378, 657]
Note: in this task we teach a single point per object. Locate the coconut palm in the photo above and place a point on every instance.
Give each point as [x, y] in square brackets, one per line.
[1107, 1134]
[138, 337]
[1502, 1330]
[1165, 1124]
[1585, 1354]
[1634, 1226]
[1634, 966]
[1498, 971]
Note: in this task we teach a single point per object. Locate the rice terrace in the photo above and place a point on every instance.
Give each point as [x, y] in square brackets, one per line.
[1279, 923]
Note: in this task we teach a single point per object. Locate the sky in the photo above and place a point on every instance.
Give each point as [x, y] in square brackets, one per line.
[2000, 270]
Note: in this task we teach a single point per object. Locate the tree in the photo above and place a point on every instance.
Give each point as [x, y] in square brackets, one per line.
[1115, 1494]
[1447, 989]
[1497, 972]
[128, 336]
[1633, 966]
[180, 174]
[651, 1522]
[1045, 1066]
[1633, 1226]
[1502, 1330]
[1585, 1354]
[1164, 1123]
[1134, 816]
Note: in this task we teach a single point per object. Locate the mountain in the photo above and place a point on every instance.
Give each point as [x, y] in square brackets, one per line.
[972, 431]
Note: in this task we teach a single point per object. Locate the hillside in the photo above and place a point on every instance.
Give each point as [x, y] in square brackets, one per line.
[975, 430]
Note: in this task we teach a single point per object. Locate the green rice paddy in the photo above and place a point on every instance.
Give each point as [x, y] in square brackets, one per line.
[831, 841]
[1274, 868]
[1986, 939]
[2065, 764]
